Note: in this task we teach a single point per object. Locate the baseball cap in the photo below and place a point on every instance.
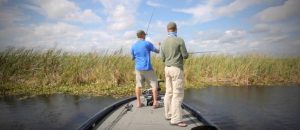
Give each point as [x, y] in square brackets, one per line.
[140, 32]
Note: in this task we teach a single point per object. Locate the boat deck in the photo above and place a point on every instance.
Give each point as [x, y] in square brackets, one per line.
[144, 118]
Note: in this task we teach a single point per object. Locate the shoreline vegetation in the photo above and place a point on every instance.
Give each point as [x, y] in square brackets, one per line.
[27, 72]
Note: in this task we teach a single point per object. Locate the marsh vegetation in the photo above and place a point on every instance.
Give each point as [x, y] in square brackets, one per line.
[29, 72]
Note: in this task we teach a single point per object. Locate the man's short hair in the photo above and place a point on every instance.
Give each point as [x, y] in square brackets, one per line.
[171, 26]
[139, 33]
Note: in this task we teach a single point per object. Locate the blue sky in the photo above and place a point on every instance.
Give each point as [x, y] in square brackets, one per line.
[226, 26]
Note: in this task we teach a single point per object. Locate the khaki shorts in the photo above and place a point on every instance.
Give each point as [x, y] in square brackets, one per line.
[141, 76]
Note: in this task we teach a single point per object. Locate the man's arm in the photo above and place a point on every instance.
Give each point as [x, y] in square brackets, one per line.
[183, 50]
[158, 50]
[163, 57]
[132, 54]
[152, 48]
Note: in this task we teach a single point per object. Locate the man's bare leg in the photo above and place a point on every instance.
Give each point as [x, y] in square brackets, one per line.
[154, 92]
[138, 96]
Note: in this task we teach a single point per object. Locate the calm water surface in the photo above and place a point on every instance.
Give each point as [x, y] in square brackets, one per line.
[249, 108]
[230, 108]
[55, 112]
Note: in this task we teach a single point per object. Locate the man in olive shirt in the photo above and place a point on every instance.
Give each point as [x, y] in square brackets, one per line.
[173, 51]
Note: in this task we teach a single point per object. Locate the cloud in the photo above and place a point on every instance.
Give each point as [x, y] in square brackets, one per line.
[288, 10]
[230, 37]
[275, 28]
[130, 34]
[238, 42]
[211, 10]
[276, 45]
[9, 16]
[63, 36]
[65, 10]
[277, 21]
[233, 36]
[271, 30]
[201, 13]
[53, 10]
[235, 6]
[229, 42]
[87, 16]
[153, 4]
[260, 28]
[213, 2]
[2, 1]
[39, 36]
[43, 36]
[120, 14]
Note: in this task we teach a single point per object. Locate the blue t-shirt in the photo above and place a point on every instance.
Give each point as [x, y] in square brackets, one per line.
[140, 52]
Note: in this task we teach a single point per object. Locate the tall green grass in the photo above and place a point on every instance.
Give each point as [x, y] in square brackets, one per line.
[27, 72]
[242, 70]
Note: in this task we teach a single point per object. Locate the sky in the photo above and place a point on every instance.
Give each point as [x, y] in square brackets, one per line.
[223, 26]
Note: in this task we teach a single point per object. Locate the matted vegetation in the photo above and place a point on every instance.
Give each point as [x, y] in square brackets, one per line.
[28, 72]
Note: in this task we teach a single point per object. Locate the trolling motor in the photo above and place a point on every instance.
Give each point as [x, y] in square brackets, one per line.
[148, 94]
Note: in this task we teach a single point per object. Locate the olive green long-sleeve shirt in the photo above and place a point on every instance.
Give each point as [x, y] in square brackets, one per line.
[173, 51]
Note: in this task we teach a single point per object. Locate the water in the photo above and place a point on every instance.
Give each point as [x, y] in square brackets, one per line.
[249, 108]
[59, 112]
[230, 108]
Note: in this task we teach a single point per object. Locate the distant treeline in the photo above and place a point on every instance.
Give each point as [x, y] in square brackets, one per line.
[29, 72]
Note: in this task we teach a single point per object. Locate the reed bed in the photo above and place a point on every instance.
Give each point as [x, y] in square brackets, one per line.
[29, 72]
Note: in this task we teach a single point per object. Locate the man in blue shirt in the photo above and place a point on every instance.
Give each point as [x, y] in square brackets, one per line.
[140, 52]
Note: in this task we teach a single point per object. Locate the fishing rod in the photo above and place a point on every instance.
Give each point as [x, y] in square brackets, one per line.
[148, 29]
[150, 20]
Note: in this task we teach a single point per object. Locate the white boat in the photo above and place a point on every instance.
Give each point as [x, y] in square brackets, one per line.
[125, 115]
